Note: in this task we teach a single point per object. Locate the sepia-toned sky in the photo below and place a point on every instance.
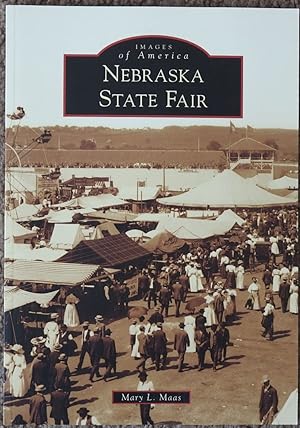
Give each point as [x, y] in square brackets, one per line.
[37, 37]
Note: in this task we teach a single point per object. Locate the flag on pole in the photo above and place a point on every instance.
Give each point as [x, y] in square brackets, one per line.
[232, 127]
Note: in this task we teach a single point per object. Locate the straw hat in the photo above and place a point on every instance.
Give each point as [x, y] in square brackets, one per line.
[18, 349]
[99, 318]
[38, 340]
[54, 316]
[40, 388]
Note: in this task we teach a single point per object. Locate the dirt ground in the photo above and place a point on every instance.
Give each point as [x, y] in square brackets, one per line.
[228, 396]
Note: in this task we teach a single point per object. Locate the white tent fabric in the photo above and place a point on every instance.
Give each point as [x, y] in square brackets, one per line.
[283, 183]
[24, 211]
[94, 202]
[230, 217]
[134, 233]
[66, 236]
[15, 251]
[14, 297]
[288, 415]
[189, 229]
[14, 230]
[140, 194]
[294, 195]
[152, 217]
[56, 273]
[66, 215]
[226, 189]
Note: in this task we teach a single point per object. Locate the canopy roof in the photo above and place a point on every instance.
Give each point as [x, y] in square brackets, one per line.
[66, 236]
[14, 230]
[112, 215]
[14, 297]
[49, 272]
[249, 144]
[66, 215]
[24, 211]
[140, 194]
[15, 251]
[283, 183]
[97, 202]
[111, 251]
[164, 243]
[227, 189]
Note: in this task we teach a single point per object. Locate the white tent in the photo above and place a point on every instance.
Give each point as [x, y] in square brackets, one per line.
[66, 215]
[94, 202]
[294, 195]
[283, 183]
[14, 297]
[66, 236]
[15, 251]
[230, 217]
[24, 211]
[189, 229]
[141, 194]
[288, 415]
[14, 230]
[226, 189]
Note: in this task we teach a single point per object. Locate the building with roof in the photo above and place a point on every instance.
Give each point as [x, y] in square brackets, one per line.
[248, 151]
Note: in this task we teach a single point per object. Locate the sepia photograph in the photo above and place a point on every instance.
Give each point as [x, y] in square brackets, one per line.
[151, 216]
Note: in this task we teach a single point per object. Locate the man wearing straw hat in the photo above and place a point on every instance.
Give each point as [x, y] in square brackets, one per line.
[268, 402]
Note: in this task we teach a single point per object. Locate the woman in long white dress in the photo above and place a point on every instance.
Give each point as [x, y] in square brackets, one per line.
[294, 296]
[253, 290]
[199, 278]
[51, 330]
[189, 327]
[71, 317]
[239, 273]
[276, 279]
[18, 379]
[8, 363]
[135, 349]
[209, 311]
[228, 305]
[193, 278]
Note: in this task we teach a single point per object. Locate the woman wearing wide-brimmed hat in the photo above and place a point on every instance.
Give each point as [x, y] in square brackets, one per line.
[19, 385]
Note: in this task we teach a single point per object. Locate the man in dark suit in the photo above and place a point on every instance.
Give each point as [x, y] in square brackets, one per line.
[38, 407]
[160, 347]
[181, 342]
[109, 354]
[200, 319]
[52, 361]
[184, 281]
[268, 402]
[219, 305]
[59, 402]
[40, 371]
[62, 374]
[284, 294]
[224, 341]
[85, 337]
[156, 316]
[178, 296]
[202, 339]
[165, 299]
[143, 349]
[143, 285]
[66, 340]
[215, 345]
[95, 349]
[154, 288]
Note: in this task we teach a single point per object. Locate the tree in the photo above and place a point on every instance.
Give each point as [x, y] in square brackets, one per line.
[272, 143]
[213, 145]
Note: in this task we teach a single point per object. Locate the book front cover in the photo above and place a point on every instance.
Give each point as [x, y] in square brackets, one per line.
[151, 215]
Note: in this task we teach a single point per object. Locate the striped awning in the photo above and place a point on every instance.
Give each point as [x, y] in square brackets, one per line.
[49, 272]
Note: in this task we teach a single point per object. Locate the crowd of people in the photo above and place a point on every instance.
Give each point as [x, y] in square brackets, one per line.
[198, 287]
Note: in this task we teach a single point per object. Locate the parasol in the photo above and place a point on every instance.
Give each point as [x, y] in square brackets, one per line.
[196, 302]
[137, 312]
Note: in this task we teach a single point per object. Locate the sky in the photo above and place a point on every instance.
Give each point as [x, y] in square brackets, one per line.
[37, 37]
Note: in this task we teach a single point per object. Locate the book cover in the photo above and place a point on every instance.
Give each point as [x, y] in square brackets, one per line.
[151, 252]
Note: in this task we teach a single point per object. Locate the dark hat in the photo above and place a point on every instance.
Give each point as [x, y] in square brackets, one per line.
[108, 332]
[85, 324]
[83, 410]
[143, 375]
[181, 324]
